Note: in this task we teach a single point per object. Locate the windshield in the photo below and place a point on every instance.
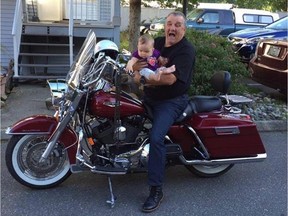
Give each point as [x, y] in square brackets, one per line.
[193, 15]
[279, 24]
[82, 62]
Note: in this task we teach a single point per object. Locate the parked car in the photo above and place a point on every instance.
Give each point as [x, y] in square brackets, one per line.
[225, 21]
[269, 65]
[153, 27]
[157, 24]
[144, 28]
[245, 41]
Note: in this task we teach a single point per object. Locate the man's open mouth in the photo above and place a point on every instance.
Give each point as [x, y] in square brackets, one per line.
[171, 35]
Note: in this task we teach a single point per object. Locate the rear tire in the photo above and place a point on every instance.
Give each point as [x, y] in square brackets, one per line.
[209, 171]
[22, 160]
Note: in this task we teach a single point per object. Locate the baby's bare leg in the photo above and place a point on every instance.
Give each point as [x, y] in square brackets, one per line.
[167, 70]
[160, 71]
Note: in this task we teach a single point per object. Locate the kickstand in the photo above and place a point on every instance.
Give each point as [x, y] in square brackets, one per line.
[112, 197]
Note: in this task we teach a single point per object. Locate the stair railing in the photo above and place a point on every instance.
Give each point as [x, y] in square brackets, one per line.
[16, 33]
[71, 26]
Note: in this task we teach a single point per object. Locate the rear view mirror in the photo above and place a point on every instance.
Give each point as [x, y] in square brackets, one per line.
[200, 20]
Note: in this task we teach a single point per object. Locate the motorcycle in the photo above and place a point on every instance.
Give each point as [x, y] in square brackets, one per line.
[99, 127]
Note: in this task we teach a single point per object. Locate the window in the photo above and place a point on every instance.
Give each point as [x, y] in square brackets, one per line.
[90, 10]
[280, 24]
[265, 19]
[211, 17]
[255, 18]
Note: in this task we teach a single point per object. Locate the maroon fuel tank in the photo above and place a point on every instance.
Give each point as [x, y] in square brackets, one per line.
[102, 104]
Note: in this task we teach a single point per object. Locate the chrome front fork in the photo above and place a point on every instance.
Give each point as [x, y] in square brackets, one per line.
[61, 127]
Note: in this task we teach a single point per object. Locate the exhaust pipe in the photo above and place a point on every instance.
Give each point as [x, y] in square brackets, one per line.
[257, 158]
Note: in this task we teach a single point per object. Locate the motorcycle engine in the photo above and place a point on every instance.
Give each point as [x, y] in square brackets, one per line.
[104, 129]
[127, 153]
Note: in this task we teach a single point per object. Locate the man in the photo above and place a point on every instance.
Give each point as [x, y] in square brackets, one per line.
[167, 97]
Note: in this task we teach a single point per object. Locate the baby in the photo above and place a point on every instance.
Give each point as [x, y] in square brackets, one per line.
[145, 50]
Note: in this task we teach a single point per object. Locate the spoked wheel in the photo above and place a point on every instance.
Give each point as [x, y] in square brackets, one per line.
[22, 159]
[209, 171]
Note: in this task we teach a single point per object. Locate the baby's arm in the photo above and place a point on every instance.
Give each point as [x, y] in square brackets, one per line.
[131, 62]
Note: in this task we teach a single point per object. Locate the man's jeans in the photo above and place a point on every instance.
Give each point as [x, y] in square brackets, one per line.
[165, 113]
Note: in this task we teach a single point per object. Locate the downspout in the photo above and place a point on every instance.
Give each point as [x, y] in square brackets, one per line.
[71, 23]
[116, 20]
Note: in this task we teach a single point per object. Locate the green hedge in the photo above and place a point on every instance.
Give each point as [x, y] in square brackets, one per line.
[214, 53]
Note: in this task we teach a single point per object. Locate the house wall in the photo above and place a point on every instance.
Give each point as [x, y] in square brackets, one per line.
[147, 15]
[6, 40]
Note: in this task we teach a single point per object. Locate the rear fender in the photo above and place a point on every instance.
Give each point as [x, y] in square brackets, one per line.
[44, 124]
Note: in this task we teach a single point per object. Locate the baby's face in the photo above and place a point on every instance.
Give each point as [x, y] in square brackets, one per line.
[145, 50]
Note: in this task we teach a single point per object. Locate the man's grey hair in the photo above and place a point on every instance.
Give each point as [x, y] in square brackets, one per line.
[178, 13]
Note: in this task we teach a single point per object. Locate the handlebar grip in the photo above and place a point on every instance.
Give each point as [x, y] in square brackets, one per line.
[131, 73]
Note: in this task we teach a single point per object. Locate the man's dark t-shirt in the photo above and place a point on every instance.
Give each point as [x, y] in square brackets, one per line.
[182, 55]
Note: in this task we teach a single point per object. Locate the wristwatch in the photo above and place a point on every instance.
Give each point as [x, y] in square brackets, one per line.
[142, 80]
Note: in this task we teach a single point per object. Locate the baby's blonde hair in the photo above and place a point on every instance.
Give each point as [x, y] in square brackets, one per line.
[145, 38]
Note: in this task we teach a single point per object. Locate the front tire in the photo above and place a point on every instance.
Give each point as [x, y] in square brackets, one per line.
[22, 160]
[209, 171]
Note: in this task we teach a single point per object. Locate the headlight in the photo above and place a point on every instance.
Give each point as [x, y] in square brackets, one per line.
[256, 39]
[159, 26]
[253, 40]
[237, 40]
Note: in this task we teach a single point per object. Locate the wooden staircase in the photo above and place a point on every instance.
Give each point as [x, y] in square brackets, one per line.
[43, 56]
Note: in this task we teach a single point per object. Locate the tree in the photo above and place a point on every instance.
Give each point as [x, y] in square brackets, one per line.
[279, 5]
[134, 23]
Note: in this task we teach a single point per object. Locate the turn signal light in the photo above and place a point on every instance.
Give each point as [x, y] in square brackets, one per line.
[56, 116]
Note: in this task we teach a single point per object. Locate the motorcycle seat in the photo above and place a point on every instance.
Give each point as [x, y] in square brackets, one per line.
[200, 104]
[196, 104]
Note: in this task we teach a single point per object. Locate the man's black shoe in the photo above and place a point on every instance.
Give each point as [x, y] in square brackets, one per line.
[154, 199]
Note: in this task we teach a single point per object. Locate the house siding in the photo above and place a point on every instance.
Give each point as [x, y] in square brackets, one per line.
[105, 12]
[7, 16]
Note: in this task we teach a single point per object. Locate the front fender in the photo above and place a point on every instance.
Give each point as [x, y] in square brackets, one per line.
[44, 124]
[36, 124]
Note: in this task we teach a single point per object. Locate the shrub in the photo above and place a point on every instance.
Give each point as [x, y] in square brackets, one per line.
[124, 40]
[213, 53]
